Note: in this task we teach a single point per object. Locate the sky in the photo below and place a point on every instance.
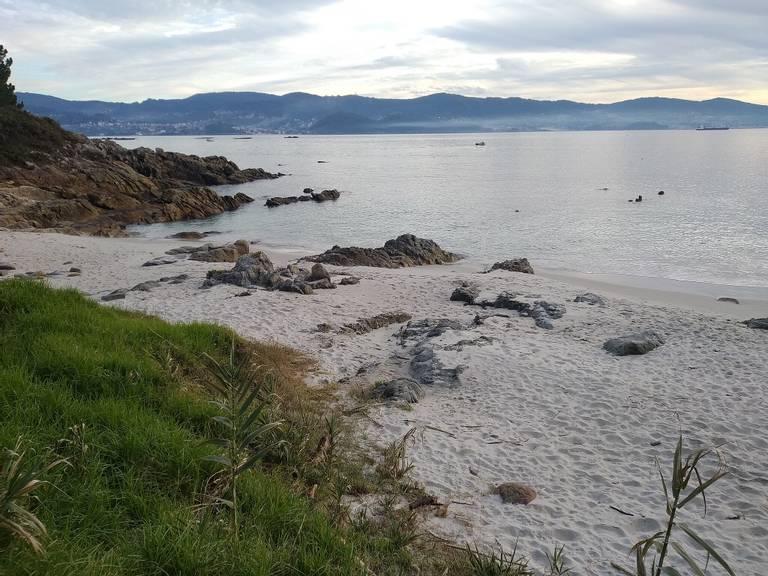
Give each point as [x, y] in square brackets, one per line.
[584, 50]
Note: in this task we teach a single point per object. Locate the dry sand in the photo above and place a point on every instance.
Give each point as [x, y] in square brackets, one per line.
[548, 408]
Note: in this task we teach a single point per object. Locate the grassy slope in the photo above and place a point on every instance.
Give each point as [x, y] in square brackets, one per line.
[126, 505]
[22, 134]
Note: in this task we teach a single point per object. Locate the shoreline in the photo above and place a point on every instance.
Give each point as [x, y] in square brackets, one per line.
[510, 401]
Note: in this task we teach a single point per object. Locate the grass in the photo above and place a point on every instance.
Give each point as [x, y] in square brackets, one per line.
[24, 136]
[119, 395]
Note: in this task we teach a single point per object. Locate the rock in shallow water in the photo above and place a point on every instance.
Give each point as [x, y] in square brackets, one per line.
[405, 250]
[634, 344]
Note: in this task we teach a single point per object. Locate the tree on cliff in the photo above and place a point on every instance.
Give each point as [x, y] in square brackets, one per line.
[7, 90]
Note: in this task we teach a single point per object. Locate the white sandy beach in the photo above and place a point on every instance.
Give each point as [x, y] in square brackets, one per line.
[548, 408]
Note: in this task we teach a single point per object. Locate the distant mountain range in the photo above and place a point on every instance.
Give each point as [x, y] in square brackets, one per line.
[301, 113]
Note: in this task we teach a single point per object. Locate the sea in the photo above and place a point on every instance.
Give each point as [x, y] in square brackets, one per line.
[564, 200]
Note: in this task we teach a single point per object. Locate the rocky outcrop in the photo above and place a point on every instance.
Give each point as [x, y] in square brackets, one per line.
[254, 269]
[541, 311]
[257, 270]
[308, 195]
[98, 187]
[515, 265]
[634, 344]
[405, 250]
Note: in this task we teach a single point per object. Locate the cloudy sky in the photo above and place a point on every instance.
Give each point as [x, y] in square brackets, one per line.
[587, 50]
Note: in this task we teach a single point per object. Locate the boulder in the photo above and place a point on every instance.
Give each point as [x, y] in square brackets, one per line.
[634, 344]
[225, 253]
[515, 493]
[322, 284]
[590, 298]
[254, 269]
[278, 201]
[325, 195]
[6, 266]
[728, 299]
[405, 250]
[349, 280]
[115, 295]
[75, 270]
[399, 389]
[318, 272]
[757, 323]
[515, 265]
[298, 286]
[146, 286]
[307, 191]
[465, 293]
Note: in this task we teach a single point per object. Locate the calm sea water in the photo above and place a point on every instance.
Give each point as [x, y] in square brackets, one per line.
[539, 195]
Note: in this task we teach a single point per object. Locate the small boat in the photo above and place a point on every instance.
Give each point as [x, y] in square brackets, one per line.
[479, 143]
[707, 128]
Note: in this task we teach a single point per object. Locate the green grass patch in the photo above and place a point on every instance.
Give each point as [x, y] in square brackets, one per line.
[122, 397]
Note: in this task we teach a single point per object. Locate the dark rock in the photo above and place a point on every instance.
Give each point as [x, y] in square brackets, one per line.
[757, 323]
[254, 269]
[324, 284]
[590, 298]
[318, 272]
[225, 253]
[515, 265]
[364, 325]
[160, 261]
[400, 389]
[405, 250]
[243, 294]
[661, 192]
[428, 328]
[5, 266]
[74, 270]
[728, 299]
[305, 198]
[307, 191]
[509, 301]
[115, 295]
[349, 280]
[515, 493]
[175, 279]
[326, 195]
[634, 344]
[278, 201]
[146, 286]
[297, 286]
[191, 235]
[465, 293]
[324, 327]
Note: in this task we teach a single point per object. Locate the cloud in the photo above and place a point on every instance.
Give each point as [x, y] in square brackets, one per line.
[597, 50]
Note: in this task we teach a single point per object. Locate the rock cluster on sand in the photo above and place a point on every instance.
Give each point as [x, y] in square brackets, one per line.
[99, 187]
[425, 366]
[364, 325]
[634, 344]
[306, 197]
[257, 270]
[514, 265]
[465, 293]
[405, 250]
[541, 311]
